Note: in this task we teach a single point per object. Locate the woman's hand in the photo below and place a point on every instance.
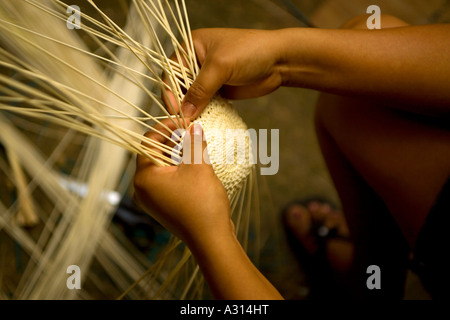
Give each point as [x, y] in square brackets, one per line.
[240, 63]
[409, 72]
[189, 200]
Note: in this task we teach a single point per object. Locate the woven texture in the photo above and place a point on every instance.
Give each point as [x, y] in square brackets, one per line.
[229, 146]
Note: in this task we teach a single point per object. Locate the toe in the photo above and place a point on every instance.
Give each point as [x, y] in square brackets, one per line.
[298, 220]
[327, 218]
[320, 212]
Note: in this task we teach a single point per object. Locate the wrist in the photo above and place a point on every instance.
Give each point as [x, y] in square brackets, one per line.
[212, 240]
[299, 63]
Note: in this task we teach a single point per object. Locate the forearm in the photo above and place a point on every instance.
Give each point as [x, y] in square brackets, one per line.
[229, 272]
[408, 67]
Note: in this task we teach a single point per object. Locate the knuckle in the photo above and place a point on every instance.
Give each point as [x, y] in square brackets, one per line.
[221, 61]
[148, 134]
[196, 92]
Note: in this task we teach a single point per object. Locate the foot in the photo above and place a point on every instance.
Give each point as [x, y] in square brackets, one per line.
[320, 237]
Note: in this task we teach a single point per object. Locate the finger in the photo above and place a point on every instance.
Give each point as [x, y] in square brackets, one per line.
[169, 98]
[195, 147]
[209, 80]
[159, 144]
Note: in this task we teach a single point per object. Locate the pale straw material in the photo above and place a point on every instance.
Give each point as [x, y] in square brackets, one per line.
[52, 77]
[229, 146]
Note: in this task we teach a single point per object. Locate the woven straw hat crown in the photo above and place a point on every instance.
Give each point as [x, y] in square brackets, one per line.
[229, 145]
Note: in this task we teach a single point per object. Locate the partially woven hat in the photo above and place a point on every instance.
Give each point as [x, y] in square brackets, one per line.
[229, 146]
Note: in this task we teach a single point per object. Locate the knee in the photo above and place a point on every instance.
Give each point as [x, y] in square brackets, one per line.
[336, 113]
[330, 111]
[360, 22]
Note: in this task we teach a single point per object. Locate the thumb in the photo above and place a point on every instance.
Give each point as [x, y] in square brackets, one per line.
[194, 146]
[205, 86]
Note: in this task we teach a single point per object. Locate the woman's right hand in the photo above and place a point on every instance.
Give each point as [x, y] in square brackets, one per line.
[242, 63]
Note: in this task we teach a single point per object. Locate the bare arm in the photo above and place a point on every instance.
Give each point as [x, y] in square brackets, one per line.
[229, 272]
[191, 202]
[408, 67]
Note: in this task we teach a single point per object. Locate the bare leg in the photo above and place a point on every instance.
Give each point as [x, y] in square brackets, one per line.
[388, 167]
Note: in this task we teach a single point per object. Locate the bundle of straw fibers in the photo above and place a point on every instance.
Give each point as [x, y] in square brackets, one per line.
[91, 94]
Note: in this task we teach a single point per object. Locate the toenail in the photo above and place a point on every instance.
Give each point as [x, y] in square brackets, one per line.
[295, 213]
[313, 206]
[326, 208]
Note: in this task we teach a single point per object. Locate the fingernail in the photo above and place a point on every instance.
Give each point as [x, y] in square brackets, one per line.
[177, 135]
[197, 129]
[188, 109]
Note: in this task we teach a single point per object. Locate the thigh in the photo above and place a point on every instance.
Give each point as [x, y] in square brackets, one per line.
[404, 158]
